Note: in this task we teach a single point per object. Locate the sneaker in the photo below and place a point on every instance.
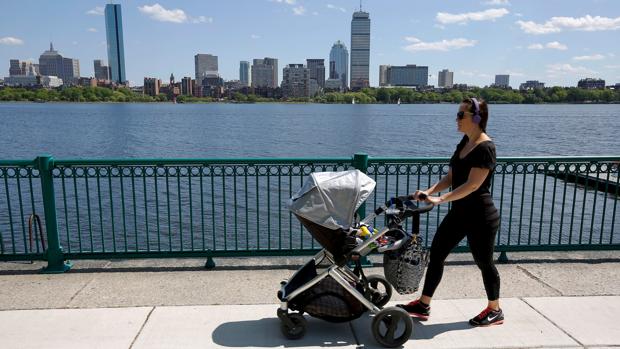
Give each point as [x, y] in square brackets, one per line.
[488, 317]
[416, 309]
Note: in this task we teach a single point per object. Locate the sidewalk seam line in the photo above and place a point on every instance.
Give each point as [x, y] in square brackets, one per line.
[554, 324]
[536, 278]
[357, 341]
[148, 316]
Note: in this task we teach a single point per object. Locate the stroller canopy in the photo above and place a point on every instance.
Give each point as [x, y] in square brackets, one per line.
[330, 199]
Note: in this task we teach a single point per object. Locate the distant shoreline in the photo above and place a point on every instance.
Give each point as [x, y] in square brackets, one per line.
[294, 102]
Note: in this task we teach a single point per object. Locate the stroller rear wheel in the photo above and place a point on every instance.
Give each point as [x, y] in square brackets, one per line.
[392, 327]
[379, 290]
[296, 329]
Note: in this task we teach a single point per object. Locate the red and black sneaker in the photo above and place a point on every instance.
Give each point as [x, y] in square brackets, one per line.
[488, 317]
[417, 309]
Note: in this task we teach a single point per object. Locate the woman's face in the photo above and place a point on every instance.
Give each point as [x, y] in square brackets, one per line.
[465, 123]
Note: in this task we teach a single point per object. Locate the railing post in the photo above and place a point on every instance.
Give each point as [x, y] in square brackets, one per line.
[360, 162]
[54, 255]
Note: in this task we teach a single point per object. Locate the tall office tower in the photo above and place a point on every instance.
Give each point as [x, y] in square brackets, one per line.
[360, 50]
[187, 86]
[339, 63]
[265, 72]
[116, 47]
[205, 66]
[317, 70]
[51, 63]
[18, 67]
[408, 75]
[446, 79]
[244, 73]
[383, 75]
[296, 81]
[151, 86]
[102, 72]
[502, 80]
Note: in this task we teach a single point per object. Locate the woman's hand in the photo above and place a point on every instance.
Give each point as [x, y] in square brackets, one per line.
[416, 195]
[433, 200]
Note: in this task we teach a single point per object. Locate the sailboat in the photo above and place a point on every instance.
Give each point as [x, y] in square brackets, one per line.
[398, 102]
[353, 100]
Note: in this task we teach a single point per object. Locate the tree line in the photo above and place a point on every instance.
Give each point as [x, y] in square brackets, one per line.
[365, 96]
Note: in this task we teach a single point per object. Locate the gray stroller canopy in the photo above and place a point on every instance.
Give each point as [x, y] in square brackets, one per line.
[330, 199]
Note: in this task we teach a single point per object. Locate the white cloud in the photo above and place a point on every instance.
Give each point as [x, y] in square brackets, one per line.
[254, 36]
[92, 30]
[612, 66]
[9, 40]
[557, 24]
[290, 2]
[299, 10]
[443, 45]
[334, 7]
[561, 69]
[202, 19]
[159, 13]
[551, 45]
[97, 11]
[594, 57]
[497, 2]
[315, 13]
[556, 46]
[462, 18]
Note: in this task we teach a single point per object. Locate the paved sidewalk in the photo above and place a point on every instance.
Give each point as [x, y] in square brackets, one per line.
[176, 303]
[540, 322]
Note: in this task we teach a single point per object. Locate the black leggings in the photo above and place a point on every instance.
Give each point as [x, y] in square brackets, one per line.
[480, 227]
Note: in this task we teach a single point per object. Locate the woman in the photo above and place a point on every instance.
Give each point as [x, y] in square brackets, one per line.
[473, 213]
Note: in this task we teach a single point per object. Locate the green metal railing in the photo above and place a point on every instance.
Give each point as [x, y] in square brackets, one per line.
[237, 207]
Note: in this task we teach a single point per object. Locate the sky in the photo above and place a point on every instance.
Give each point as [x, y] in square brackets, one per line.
[554, 41]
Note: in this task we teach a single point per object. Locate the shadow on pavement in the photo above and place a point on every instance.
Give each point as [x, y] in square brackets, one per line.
[265, 333]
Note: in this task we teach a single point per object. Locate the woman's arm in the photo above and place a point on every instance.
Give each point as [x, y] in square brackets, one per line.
[474, 181]
[443, 183]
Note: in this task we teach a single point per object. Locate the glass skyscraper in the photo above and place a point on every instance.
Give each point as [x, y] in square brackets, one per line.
[244, 73]
[360, 50]
[339, 63]
[114, 35]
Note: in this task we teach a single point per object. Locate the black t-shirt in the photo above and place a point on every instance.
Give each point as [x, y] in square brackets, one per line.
[482, 156]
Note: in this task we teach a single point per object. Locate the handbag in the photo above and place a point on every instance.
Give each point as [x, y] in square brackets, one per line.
[404, 268]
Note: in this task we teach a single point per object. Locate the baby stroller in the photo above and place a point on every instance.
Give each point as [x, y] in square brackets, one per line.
[326, 205]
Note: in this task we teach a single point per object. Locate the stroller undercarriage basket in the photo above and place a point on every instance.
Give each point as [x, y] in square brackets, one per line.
[329, 301]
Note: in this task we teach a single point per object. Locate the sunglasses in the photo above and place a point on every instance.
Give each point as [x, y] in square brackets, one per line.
[460, 115]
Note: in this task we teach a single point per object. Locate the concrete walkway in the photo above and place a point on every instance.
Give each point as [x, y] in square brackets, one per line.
[547, 298]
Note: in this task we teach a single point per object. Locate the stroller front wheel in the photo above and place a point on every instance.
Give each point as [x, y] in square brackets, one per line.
[379, 290]
[296, 329]
[392, 327]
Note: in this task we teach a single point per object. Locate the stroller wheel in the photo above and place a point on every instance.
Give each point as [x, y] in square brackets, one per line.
[392, 327]
[379, 290]
[298, 328]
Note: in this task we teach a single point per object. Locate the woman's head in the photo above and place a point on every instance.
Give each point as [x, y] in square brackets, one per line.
[473, 113]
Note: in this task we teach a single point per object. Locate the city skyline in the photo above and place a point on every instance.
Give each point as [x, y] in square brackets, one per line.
[555, 42]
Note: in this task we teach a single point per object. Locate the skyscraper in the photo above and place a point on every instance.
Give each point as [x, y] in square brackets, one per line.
[383, 75]
[360, 50]
[446, 79]
[408, 75]
[205, 66]
[265, 72]
[244, 73]
[116, 47]
[296, 81]
[102, 72]
[317, 70]
[52, 63]
[339, 63]
[502, 80]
